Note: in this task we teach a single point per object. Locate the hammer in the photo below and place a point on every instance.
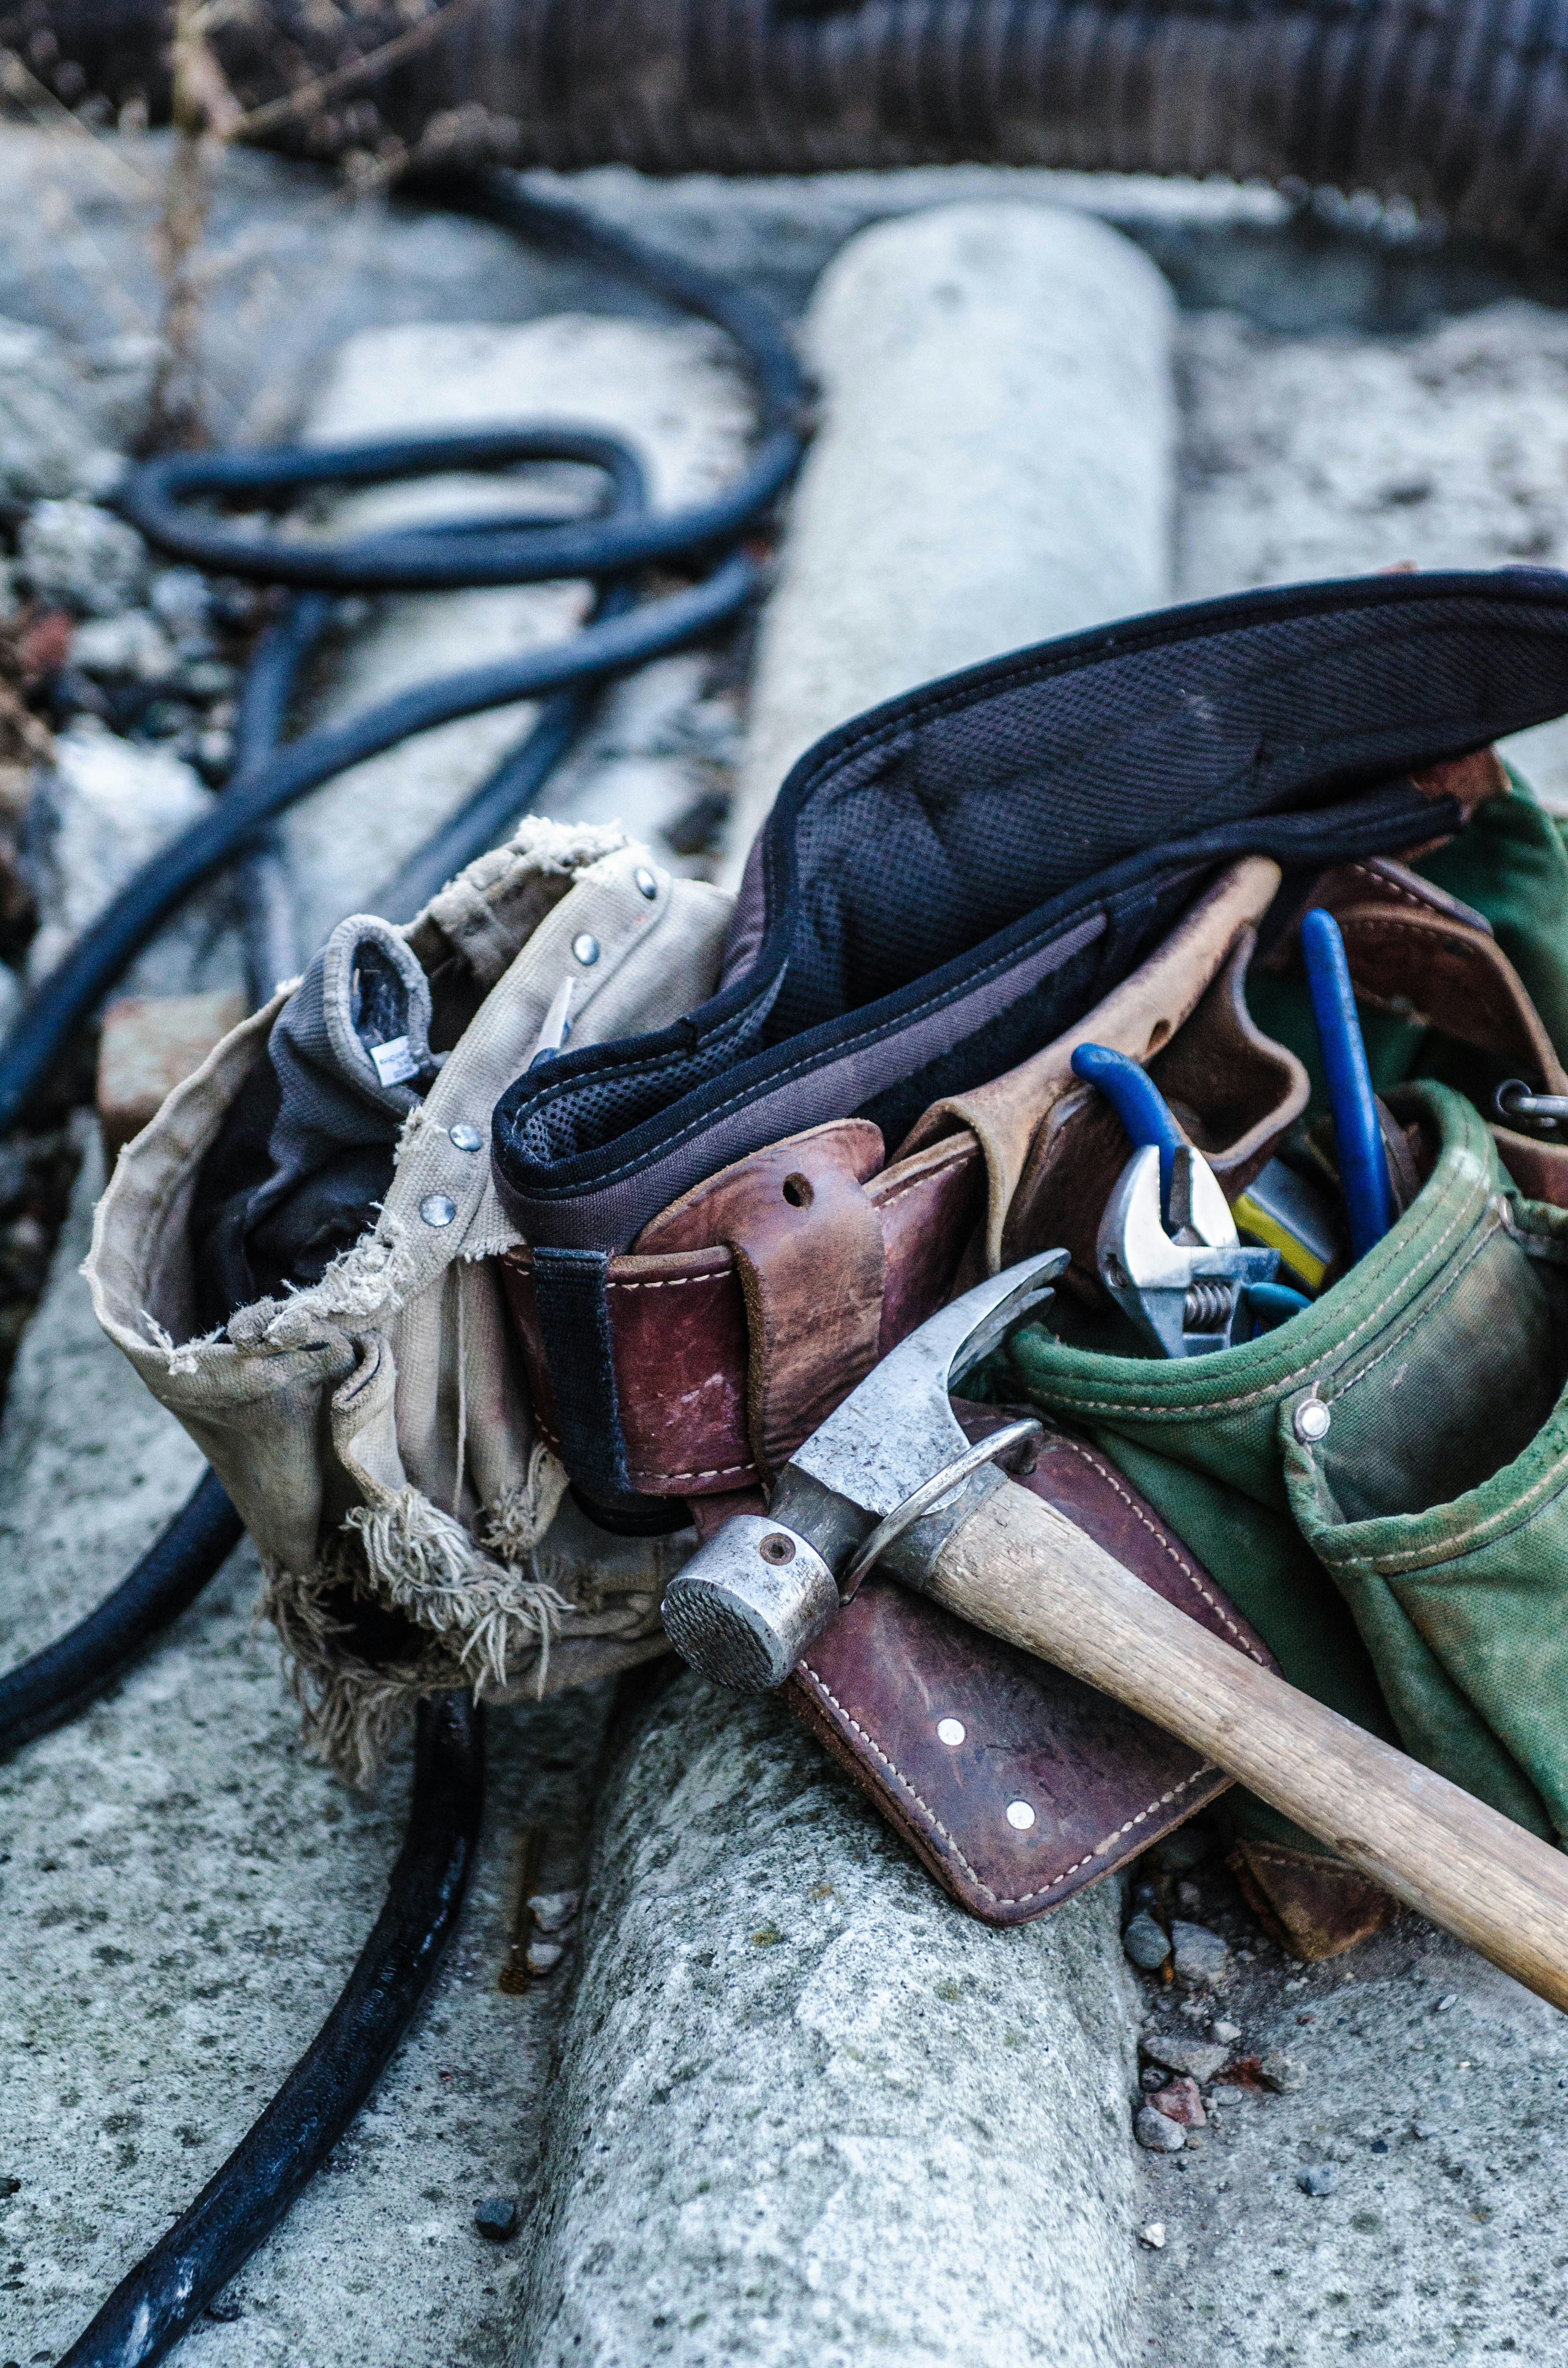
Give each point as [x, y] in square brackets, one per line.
[890, 1480]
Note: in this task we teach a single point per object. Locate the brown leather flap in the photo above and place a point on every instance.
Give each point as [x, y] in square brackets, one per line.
[691, 1373]
[890, 1682]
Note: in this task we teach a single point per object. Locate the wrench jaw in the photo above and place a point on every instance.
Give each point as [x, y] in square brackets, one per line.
[1187, 1298]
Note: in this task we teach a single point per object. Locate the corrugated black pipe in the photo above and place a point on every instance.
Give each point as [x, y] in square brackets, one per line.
[1459, 106]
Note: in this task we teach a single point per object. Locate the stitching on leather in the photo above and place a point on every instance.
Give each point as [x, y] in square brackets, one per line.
[911, 1183]
[1113, 1483]
[1023, 1898]
[1386, 888]
[674, 1281]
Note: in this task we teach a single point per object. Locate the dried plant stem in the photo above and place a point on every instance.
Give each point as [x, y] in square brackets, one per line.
[205, 113]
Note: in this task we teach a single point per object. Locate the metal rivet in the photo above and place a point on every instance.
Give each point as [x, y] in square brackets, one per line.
[466, 1138]
[645, 883]
[1311, 1421]
[585, 950]
[949, 1730]
[436, 1209]
[777, 1548]
[1020, 1816]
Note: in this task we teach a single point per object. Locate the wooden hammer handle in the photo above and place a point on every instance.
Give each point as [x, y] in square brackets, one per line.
[1022, 1570]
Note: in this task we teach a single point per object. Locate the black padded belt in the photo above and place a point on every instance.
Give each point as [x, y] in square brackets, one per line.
[951, 880]
[948, 880]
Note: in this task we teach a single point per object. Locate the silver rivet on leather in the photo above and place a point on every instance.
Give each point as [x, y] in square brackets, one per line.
[436, 1209]
[1020, 1816]
[585, 950]
[950, 1731]
[646, 885]
[465, 1138]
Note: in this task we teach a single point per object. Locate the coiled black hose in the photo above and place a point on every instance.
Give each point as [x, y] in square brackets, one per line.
[1460, 105]
[151, 2307]
[268, 777]
[150, 2310]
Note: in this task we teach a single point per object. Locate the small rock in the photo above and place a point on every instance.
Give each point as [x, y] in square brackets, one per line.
[1227, 2033]
[1146, 1943]
[1319, 2179]
[1424, 2129]
[1201, 1955]
[180, 598]
[1225, 2092]
[544, 1956]
[1152, 2234]
[1200, 2058]
[1190, 1895]
[1151, 2077]
[1444, 2003]
[131, 647]
[1379, 2145]
[225, 2313]
[1157, 2132]
[1179, 2101]
[1281, 2072]
[53, 433]
[552, 1911]
[496, 2217]
[79, 557]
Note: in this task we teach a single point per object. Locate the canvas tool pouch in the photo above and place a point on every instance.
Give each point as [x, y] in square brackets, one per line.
[374, 1428]
[1410, 1568]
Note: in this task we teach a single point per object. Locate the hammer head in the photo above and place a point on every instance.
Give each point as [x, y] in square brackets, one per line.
[748, 1603]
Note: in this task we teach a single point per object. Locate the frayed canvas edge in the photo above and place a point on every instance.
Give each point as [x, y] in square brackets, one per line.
[423, 1562]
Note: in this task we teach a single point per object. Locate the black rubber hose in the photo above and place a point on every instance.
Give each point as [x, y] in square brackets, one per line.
[261, 874]
[58, 1681]
[239, 2207]
[44, 1689]
[1460, 105]
[72, 991]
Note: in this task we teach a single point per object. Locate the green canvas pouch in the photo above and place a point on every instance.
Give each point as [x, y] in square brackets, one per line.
[1410, 1567]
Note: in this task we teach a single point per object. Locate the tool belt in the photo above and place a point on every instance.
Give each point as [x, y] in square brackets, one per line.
[693, 1240]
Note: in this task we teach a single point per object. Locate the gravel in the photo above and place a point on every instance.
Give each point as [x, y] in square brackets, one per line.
[1147, 1942]
[1201, 1956]
[1319, 2179]
[1200, 2058]
[496, 2217]
[74, 555]
[1157, 2132]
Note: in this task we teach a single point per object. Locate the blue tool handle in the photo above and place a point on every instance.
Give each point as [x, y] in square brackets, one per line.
[1359, 1140]
[1273, 1303]
[1138, 1103]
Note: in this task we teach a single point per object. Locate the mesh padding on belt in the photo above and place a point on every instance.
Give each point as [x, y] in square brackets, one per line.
[952, 830]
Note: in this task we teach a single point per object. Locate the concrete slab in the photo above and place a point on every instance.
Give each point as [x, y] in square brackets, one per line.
[185, 1894]
[808, 2112]
[993, 466]
[1330, 455]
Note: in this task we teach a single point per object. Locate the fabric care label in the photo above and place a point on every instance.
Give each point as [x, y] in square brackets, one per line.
[395, 1062]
